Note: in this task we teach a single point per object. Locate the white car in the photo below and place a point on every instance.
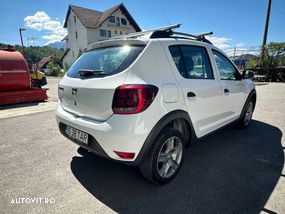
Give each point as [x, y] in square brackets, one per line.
[140, 98]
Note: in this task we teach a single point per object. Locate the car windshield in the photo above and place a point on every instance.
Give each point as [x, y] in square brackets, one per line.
[107, 61]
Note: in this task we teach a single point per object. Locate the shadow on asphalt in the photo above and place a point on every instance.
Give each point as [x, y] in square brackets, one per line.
[232, 171]
[20, 105]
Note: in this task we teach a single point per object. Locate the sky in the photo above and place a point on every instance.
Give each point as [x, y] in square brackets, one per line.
[235, 23]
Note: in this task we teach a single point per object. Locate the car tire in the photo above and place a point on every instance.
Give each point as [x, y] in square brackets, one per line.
[165, 157]
[247, 115]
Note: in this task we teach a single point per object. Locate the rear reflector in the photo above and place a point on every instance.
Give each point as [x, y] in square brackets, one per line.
[125, 155]
[131, 99]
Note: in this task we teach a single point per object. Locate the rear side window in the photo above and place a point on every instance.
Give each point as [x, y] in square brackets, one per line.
[106, 61]
[192, 61]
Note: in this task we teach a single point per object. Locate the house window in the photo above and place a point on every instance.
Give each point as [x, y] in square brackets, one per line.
[121, 33]
[112, 19]
[123, 21]
[118, 21]
[74, 17]
[103, 33]
[115, 31]
[109, 34]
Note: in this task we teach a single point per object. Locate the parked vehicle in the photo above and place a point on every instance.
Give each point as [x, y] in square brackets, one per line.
[140, 98]
[17, 85]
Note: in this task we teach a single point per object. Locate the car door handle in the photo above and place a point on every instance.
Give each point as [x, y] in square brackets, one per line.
[191, 94]
[226, 90]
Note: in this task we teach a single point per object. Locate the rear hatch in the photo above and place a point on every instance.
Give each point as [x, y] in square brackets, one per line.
[88, 87]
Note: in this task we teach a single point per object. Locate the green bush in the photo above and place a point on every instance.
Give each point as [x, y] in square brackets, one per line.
[55, 69]
[66, 66]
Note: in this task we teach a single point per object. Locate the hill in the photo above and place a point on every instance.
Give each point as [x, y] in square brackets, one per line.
[57, 45]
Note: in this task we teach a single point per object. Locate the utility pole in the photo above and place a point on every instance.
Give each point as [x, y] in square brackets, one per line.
[23, 48]
[265, 29]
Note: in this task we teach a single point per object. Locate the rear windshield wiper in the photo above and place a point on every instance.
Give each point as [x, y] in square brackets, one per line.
[89, 72]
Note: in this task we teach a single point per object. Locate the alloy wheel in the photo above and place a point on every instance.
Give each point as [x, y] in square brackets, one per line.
[169, 157]
[248, 113]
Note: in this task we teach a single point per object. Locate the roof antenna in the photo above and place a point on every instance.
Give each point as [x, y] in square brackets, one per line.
[168, 20]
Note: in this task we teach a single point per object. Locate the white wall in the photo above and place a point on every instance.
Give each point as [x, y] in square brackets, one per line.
[68, 59]
[88, 36]
[93, 35]
[75, 44]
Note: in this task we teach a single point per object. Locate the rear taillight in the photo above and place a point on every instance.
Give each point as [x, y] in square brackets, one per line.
[131, 99]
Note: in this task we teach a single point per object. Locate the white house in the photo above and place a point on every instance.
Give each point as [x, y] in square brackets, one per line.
[87, 26]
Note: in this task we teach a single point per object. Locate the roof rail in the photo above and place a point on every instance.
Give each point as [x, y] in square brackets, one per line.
[196, 36]
[199, 37]
[166, 32]
[143, 33]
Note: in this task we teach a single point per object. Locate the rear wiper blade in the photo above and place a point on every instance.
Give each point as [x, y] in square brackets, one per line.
[89, 72]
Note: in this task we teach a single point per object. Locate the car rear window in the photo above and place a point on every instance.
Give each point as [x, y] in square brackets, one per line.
[105, 61]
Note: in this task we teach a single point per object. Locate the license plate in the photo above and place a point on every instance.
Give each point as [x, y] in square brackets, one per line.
[76, 134]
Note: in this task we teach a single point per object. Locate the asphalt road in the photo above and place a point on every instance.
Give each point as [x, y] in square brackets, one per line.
[232, 171]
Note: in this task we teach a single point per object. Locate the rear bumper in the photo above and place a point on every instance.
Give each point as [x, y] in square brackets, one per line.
[124, 133]
[92, 146]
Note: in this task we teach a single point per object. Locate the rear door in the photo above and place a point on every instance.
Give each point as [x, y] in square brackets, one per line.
[200, 87]
[232, 86]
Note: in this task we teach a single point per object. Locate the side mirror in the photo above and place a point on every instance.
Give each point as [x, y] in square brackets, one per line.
[247, 74]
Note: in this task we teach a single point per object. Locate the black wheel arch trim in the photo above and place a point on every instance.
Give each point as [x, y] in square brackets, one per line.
[160, 125]
[251, 94]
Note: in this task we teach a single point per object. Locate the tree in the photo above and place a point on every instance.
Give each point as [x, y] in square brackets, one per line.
[36, 53]
[274, 53]
[274, 56]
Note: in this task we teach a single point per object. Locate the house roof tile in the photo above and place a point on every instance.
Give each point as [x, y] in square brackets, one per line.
[44, 61]
[94, 19]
